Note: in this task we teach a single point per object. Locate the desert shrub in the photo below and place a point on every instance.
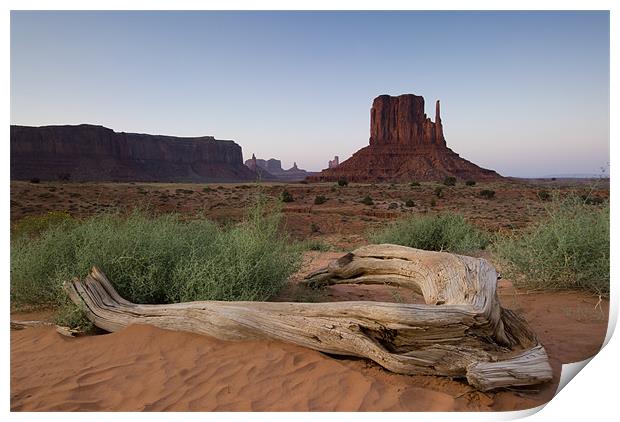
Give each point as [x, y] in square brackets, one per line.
[487, 194]
[409, 203]
[343, 181]
[286, 196]
[315, 245]
[449, 181]
[319, 199]
[433, 202]
[470, 183]
[367, 200]
[34, 225]
[70, 315]
[157, 259]
[414, 184]
[35, 180]
[543, 195]
[441, 232]
[439, 192]
[182, 191]
[568, 249]
[590, 199]
[206, 189]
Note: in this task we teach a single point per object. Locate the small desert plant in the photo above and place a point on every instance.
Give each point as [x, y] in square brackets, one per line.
[206, 189]
[367, 200]
[433, 202]
[487, 194]
[315, 245]
[589, 199]
[343, 181]
[543, 195]
[286, 196]
[409, 203]
[393, 206]
[568, 249]
[470, 183]
[35, 180]
[441, 232]
[319, 199]
[414, 184]
[439, 192]
[74, 317]
[449, 181]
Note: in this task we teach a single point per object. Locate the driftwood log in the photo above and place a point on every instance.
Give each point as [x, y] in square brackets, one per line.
[461, 331]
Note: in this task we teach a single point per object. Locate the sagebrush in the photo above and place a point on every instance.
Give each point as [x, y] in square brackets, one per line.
[566, 250]
[441, 232]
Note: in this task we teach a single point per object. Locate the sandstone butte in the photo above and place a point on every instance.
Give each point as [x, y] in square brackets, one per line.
[405, 145]
[96, 153]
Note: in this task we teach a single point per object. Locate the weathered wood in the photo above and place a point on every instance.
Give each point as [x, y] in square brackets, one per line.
[461, 331]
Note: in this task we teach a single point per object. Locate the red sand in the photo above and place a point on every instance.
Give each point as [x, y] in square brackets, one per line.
[145, 368]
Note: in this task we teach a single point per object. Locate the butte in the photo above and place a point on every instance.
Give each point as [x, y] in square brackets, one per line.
[405, 145]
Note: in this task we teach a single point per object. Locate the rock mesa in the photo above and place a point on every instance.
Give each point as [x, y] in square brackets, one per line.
[96, 153]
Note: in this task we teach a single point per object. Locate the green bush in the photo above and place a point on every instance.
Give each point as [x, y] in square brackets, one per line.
[487, 194]
[590, 199]
[470, 183]
[156, 259]
[315, 245]
[343, 181]
[319, 199]
[414, 184]
[367, 200]
[568, 249]
[409, 203]
[449, 181]
[441, 232]
[286, 196]
[439, 192]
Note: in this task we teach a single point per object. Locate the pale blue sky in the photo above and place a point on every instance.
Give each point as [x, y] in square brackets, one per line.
[524, 93]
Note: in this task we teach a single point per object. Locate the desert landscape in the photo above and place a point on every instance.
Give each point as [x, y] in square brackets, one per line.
[403, 277]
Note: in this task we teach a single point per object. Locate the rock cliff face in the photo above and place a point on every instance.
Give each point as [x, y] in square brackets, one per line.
[96, 153]
[405, 145]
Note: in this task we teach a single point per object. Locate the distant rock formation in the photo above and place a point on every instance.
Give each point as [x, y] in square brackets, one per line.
[332, 164]
[96, 153]
[272, 170]
[405, 145]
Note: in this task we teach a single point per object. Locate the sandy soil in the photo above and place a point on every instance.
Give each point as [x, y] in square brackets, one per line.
[145, 368]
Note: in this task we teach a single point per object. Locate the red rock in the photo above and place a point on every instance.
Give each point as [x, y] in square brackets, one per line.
[405, 145]
[272, 170]
[96, 153]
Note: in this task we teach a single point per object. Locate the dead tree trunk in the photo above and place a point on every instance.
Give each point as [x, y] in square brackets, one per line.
[462, 331]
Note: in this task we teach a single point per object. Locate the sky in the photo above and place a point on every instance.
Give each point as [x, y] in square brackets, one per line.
[523, 93]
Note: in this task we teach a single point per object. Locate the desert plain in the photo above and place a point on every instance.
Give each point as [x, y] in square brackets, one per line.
[146, 368]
